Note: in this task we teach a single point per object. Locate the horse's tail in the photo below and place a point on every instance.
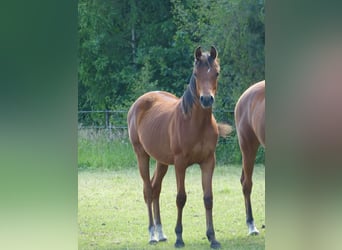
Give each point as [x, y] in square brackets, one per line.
[224, 129]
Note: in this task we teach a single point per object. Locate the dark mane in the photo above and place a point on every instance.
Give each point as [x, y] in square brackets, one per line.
[189, 96]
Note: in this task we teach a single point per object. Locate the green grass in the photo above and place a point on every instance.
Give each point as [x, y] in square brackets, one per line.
[112, 213]
[104, 149]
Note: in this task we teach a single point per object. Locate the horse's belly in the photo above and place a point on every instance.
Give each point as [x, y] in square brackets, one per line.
[157, 145]
[166, 159]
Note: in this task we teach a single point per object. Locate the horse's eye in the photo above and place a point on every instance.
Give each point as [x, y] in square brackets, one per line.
[217, 74]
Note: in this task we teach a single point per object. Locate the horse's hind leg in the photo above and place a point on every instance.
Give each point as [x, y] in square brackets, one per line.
[157, 179]
[248, 150]
[143, 162]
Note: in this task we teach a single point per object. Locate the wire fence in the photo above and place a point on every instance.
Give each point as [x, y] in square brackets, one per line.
[103, 119]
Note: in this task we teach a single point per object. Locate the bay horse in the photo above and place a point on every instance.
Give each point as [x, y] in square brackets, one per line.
[180, 132]
[250, 128]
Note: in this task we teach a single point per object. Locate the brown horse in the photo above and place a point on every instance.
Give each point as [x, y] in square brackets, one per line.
[178, 132]
[250, 128]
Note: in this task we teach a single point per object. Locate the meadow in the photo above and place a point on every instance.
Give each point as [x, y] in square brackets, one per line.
[112, 213]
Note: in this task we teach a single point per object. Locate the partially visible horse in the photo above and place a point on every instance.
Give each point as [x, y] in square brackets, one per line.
[250, 128]
[179, 132]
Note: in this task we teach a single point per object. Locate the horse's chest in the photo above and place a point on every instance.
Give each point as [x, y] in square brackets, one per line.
[203, 146]
[198, 149]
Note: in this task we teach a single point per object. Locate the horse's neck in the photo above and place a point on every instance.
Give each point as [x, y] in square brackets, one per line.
[200, 115]
[197, 117]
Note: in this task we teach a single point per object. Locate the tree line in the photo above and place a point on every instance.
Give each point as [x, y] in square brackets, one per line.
[130, 47]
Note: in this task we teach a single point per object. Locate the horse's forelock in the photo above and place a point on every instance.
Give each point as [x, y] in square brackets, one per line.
[207, 61]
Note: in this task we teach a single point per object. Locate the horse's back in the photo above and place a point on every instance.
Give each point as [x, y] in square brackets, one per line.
[250, 112]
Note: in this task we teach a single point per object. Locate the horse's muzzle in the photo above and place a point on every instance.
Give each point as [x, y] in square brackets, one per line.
[207, 101]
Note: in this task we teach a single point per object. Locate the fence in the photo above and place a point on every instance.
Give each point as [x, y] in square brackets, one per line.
[106, 119]
[117, 119]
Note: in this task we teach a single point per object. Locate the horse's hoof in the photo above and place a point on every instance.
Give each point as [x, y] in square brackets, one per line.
[159, 231]
[163, 239]
[153, 242]
[215, 244]
[254, 232]
[179, 244]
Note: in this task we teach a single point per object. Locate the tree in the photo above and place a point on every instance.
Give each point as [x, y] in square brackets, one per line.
[236, 28]
[242, 42]
[105, 52]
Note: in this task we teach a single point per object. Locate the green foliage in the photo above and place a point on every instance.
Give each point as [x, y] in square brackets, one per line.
[241, 42]
[130, 47]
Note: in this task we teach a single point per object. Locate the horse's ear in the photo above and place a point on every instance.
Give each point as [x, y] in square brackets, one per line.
[213, 52]
[198, 53]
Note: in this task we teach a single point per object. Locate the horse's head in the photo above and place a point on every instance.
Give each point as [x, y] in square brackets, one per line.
[206, 71]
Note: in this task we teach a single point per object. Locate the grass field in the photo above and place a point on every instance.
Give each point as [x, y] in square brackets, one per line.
[112, 213]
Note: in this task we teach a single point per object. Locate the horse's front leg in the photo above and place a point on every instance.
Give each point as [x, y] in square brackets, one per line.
[180, 200]
[207, 168]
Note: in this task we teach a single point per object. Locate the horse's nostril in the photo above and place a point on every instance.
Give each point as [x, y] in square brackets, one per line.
[211, 99]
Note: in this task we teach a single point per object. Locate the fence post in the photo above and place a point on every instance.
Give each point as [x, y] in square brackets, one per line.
[107, 118]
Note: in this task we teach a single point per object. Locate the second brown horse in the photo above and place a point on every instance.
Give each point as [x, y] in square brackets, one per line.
[180, 132]
[250, 128]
